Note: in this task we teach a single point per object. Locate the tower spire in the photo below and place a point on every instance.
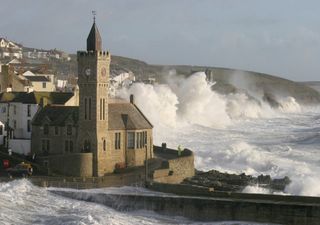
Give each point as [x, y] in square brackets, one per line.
[94, 42]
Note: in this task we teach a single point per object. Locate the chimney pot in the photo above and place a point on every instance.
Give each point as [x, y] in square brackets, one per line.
[132, 99]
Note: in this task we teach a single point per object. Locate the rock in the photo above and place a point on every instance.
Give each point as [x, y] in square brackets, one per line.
[233, 182]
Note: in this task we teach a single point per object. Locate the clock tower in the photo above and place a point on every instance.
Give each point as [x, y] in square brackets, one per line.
[93, 78]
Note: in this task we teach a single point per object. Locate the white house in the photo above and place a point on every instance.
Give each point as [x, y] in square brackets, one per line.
[9, 49]
[17, 109]
[121, 80]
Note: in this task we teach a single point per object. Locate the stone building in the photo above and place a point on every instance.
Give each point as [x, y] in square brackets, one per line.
[17, 110]
[100, 134]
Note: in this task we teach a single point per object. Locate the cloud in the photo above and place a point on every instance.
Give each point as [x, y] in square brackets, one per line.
[248, 34]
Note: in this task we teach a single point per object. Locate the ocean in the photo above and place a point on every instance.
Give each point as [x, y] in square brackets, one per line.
[236, 133]
[232, 133]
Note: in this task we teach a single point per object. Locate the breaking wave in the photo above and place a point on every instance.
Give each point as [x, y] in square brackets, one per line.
[192, 101]
[238, 132]
[23, 203]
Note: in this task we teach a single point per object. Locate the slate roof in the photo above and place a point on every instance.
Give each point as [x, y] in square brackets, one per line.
[94, 42]
[59, 98]
[126, 116]
[55, 115]
[37, 78]
[121, 116]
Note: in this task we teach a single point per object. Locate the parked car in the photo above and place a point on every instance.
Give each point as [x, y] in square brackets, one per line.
[22, 169]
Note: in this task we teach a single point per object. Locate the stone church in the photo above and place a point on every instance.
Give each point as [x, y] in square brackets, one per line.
[100, 134]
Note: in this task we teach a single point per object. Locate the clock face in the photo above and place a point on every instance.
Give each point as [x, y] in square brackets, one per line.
[103, 71]
[87, 71]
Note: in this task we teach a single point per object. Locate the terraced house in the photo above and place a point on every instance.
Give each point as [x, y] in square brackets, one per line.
[100, 134]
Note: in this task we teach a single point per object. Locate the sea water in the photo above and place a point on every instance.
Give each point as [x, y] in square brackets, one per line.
[23, 203]
[234, 132]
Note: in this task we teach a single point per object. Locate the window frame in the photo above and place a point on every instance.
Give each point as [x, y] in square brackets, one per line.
[131, 140]
[117, 140]
[29, 110]
[28, 126]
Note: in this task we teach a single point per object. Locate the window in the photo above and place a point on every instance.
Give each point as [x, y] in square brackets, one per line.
[87, 146]
[101, 105]
[89, 108]
[56, 130]
[68, 146]
[131, 140]
[85, 108]
[138, 140]
[69, 130]
[4, 109]
[45, 146]
[14, 109]
[44, 84]
[141, 139]
[1, 130]
[28, 125]
[29, 110]
[14, 124]
[145, 137]
[104, 108]
[117, 141]
[46, 129]
[104, 145]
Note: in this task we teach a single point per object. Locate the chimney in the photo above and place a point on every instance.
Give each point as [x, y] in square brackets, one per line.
[43, 102]
[164, 147]
[132, 99]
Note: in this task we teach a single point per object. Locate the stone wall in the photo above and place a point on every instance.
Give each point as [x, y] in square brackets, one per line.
[57, 141]
[78, 164]
[176, 168]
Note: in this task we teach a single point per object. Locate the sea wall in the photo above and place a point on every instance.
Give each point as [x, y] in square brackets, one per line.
[209, 209]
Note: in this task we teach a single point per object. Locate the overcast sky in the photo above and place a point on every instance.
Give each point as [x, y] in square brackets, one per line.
[280, 37]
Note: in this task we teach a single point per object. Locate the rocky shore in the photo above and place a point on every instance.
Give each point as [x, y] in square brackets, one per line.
[235, 182]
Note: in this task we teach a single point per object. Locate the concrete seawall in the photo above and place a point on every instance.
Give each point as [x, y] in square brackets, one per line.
[208, 208]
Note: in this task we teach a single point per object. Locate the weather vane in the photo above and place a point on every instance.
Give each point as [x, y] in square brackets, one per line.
[94, 13]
